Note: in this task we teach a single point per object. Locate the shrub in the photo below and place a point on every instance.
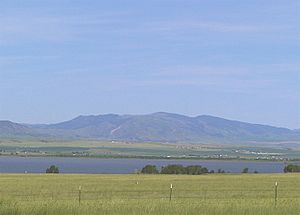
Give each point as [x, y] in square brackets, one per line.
[196, 170]
[149, 169]
[245, 170]
[179, 169]
[52, 169]
[173, 169]
[291, 168]
[221, 171]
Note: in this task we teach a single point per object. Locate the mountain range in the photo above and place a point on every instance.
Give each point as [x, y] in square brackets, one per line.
[156, 127]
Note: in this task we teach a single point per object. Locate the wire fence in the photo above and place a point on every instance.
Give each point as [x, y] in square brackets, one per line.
[170, 194]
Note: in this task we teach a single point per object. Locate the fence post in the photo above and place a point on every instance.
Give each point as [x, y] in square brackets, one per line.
[276, 192]
[171, 189]
[79, 195]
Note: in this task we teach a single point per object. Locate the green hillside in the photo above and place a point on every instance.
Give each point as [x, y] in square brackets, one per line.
[157, 127]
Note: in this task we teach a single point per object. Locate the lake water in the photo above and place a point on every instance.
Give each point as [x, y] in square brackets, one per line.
[111, 165]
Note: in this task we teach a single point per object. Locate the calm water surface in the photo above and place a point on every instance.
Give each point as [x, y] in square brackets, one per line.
[111, 165]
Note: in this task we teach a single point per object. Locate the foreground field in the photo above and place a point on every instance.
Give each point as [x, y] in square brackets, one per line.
[149, 194]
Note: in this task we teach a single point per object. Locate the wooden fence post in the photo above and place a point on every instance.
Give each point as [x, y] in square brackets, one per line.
[276, 193]
[171, 190]
[79, 195]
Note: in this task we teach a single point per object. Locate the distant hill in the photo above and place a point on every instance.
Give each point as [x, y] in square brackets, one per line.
[8, 128]
[156, 127]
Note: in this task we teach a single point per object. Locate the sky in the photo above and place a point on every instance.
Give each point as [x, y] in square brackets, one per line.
[228, 58]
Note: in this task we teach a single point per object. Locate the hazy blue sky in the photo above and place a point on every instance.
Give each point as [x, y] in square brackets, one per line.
[230, 58]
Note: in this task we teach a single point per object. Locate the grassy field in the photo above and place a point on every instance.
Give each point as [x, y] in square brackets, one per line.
[38, 194]
[275, 151]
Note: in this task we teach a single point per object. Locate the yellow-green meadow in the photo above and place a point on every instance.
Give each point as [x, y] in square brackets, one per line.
[32, 194]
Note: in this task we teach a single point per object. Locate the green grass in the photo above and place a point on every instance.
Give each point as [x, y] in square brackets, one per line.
[35, 194]
[125, 149]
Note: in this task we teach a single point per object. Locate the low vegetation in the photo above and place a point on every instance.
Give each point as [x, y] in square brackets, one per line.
[245, 170]
[175, 169]
[198, 170]
[149, 169]
[52, 169]
[179, 169]
[226, 194]
[291, 168]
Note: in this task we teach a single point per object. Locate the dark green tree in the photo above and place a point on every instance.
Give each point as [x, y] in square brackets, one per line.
[245, 170]
[52, 169]
[221, 171]
[149, 169]
[291, 168]
[195, 170]
[173, 169]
